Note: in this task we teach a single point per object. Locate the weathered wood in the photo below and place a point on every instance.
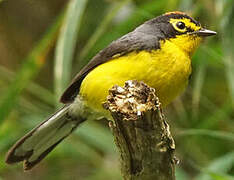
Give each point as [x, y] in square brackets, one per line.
[141, 133]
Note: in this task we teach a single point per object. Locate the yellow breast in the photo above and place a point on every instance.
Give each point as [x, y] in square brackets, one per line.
[167, 70]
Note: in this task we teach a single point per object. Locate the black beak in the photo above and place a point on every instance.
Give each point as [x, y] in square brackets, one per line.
[204, 32]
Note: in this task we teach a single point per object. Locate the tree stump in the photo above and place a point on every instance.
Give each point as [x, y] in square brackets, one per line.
[141, 133]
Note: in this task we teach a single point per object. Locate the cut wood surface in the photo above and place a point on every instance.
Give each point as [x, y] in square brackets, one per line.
[141, 133]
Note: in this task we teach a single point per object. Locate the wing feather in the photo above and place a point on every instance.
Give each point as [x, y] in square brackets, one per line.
[142, 38]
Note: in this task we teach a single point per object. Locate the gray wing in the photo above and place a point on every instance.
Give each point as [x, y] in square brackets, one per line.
[145, 37]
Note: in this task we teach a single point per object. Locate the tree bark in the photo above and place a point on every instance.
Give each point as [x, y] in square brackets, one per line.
[141, 133]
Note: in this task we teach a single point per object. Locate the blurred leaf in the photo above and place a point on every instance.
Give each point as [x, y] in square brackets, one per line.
[140, 14]
[186, 5]
[29, 69]
[113, 10]
[74, 147]
[198, 84]
[180, 110]
[217, 176]
[227, 28]
[211, 120]
[181, 174]
[104, 172]
[212, 54]
[66, 45]
[219, 166]
[222, 164]
[206, 132]
[42, 93]
[97, 135]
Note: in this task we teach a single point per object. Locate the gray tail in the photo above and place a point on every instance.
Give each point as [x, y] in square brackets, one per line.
[35, 145]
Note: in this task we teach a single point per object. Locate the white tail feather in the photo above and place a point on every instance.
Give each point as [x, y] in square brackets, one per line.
[35, 145]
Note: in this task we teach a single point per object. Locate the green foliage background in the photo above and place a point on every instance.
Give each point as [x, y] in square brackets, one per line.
[44, 43]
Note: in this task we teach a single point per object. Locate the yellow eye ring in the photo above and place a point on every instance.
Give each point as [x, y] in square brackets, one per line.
[179, 26]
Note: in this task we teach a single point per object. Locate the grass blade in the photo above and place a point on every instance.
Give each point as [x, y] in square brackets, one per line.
[198, 84]
[29, 69]
[66, 45]
[228, 33]
[211, 121]
[138, 16]
[104, 141]
[42, 93]
[102, 27]
[206, 132]
[218, 167]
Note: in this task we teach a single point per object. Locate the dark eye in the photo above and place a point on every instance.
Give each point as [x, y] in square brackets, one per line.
[180, 25]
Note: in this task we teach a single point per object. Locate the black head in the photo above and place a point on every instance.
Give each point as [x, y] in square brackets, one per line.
[178, 23]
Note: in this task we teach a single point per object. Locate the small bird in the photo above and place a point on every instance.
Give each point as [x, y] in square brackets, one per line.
[157, 52]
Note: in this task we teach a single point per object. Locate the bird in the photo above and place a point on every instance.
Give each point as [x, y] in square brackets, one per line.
[158, 52]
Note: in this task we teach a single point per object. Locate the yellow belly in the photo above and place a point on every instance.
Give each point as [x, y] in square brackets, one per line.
[167, 70]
